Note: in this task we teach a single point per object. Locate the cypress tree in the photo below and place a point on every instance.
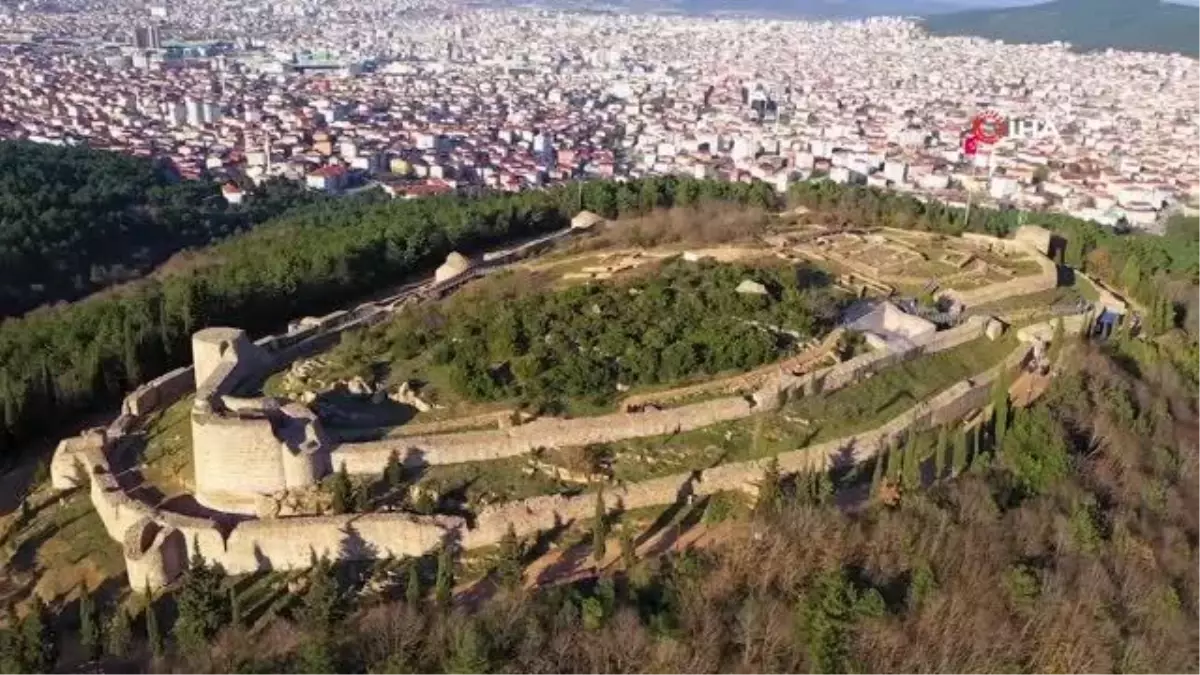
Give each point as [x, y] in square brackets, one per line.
[508, 564]
[894, 461]
[444, 583]
[600, 529]
[235, 608]
[877, 472]
[628, 549]
[39, 645]
[118, 634]
[1000, 405]
[960, 452]
[823, 485]
[322, 599]
[412, 586]
[770, 490]
[1056, 343]
[201, 601]
[154, 636]
[89, 627]
[912, 462]
[342, 490]
[939, 453]
[393, 472]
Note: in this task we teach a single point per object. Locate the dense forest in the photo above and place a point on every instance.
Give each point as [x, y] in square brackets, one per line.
[582, 343]
[61, 360]
[74, 220]
[1065, 543]
[58, 361]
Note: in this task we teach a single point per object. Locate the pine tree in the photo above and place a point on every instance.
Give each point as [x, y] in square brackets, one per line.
[154, 636]
[468, 653]
[89, 625]
[444, 582]
[508, 563]
[393, 471]
[412, 586]
[317, 654]
[342, 497]
[599, 529]
[770, 490]
[960, 452]
[118, 634]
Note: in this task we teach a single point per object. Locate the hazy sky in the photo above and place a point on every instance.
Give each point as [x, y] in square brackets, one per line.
[1013, 3]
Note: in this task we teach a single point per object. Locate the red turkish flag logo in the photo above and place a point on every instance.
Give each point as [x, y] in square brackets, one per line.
[971, 145]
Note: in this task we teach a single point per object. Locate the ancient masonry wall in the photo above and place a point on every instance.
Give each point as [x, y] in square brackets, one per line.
[1046, 279]
[532, 515]
[156, 543]
[475, 446]
[229, 430]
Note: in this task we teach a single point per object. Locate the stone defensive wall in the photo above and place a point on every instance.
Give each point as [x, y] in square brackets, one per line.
[536, 514]
[739, 383]
[247, 447]
[156, 543]
[476, 446]
[1027, 243]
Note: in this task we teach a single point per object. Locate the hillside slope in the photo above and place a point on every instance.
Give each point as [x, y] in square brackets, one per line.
[1138, 25]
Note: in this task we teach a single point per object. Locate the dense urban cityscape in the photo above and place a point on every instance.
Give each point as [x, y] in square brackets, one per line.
[610, 336]
[424, 98]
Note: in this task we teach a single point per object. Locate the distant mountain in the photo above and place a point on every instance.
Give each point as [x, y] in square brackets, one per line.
[788, 9]
[820, 9]
[1138, 25]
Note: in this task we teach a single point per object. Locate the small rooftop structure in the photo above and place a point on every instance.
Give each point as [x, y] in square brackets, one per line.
[456, 263]
[585, 220]
[886, 326]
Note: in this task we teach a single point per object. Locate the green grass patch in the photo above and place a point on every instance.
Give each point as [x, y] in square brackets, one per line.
[497, 480]
[167, 457]
[809, 420]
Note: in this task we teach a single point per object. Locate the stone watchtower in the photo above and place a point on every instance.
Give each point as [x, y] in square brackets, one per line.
[247, 447]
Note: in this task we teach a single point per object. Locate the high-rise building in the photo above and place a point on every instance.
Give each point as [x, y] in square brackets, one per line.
[147, 37]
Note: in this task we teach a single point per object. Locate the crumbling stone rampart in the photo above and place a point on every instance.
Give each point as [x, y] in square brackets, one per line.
[530, 516]
[249, 446]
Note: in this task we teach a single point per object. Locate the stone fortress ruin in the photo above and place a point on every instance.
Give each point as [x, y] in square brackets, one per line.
[250, 452]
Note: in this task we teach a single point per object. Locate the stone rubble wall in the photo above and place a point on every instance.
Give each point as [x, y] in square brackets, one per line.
[231, 444]
[530, 516]
[1046, 279]
[160, 393]
[546, 432]
[474, 446]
